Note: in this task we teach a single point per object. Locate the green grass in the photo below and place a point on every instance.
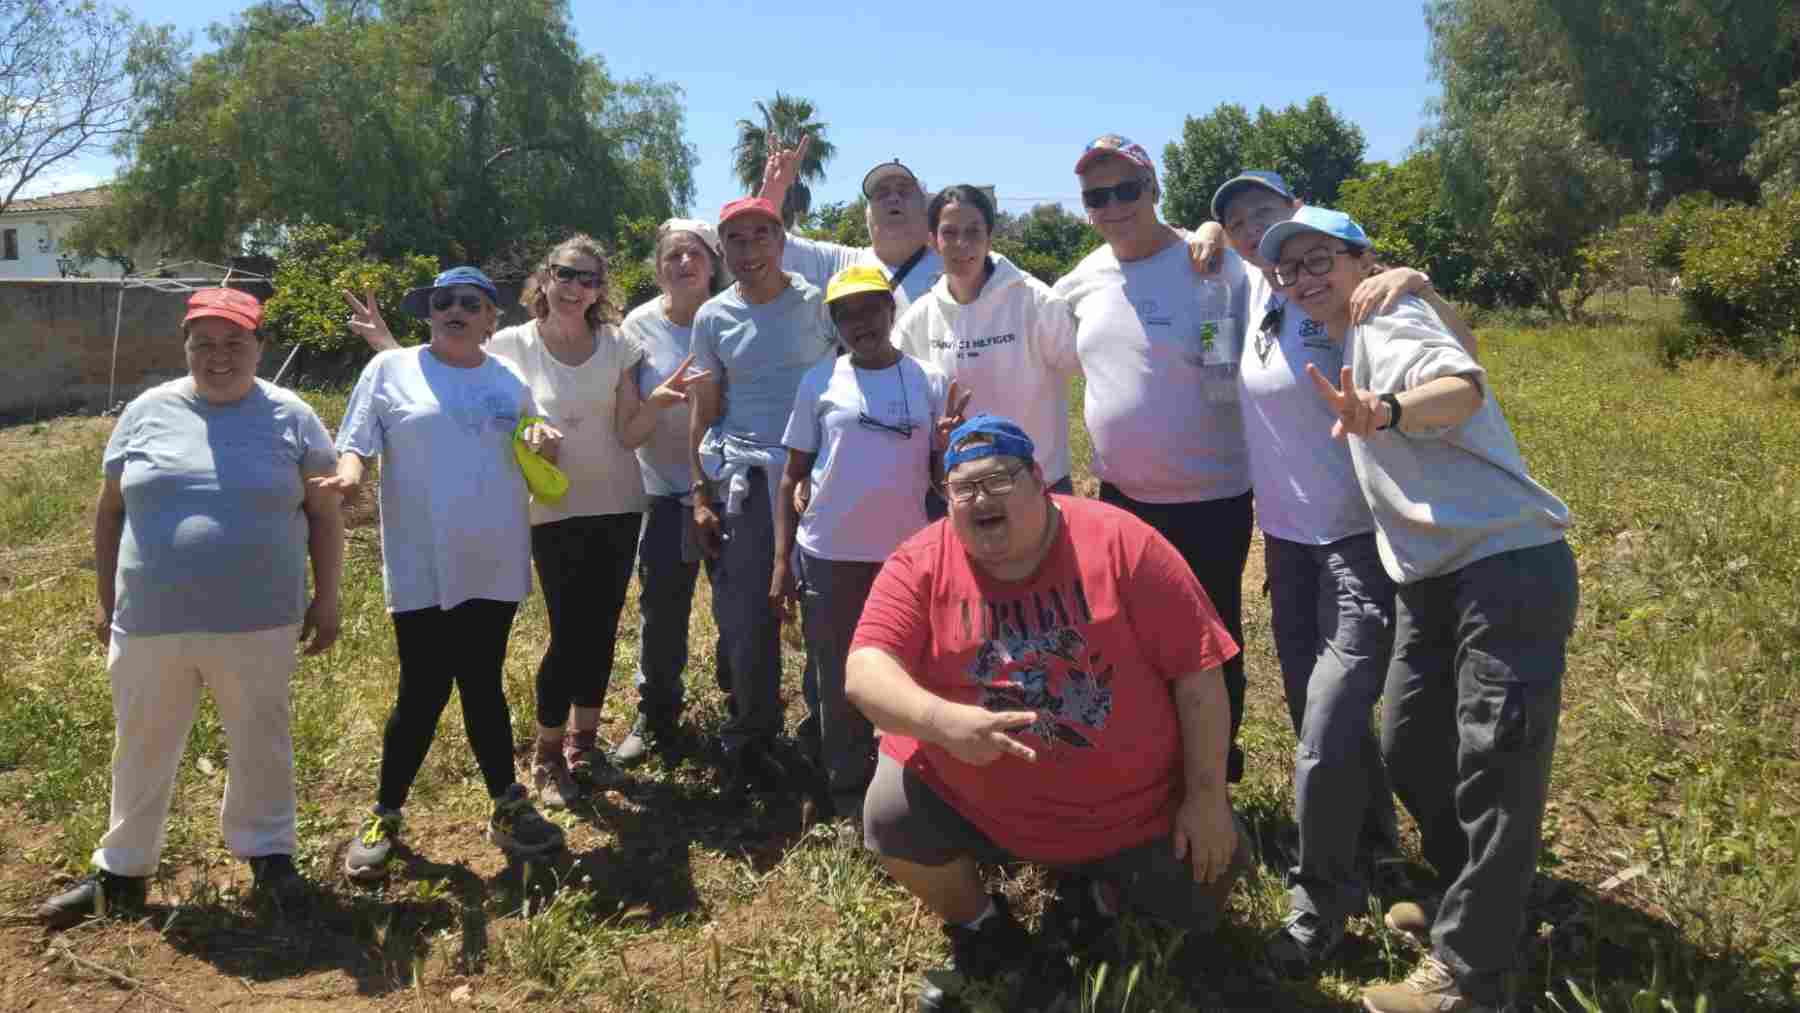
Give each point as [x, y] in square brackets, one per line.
[1668, 872]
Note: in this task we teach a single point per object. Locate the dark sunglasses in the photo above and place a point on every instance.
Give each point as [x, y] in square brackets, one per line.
[1269, 332]
[443, 299]
[586, 279]
[904, 430]
[1126, 192]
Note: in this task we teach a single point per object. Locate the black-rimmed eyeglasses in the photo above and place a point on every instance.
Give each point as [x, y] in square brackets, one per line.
[1316, 263]
[996, 485]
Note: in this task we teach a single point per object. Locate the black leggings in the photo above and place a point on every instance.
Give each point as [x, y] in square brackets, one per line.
[584, 566]
[464, 646]
[1214, 537]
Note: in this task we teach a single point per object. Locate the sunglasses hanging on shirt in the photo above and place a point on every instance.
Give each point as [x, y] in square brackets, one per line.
[1269, 333]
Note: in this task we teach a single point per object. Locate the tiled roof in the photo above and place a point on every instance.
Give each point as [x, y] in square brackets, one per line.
[71, 200]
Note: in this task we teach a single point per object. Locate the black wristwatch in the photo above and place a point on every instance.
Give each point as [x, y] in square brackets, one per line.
[1393, 403]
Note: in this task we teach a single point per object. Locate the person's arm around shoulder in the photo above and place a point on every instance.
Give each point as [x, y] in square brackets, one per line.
[109, 528]
[1054, 330]
[1381, 293]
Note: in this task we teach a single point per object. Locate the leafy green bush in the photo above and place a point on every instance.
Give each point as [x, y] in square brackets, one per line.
[633, 266]
[1740, 275]
[311, 275]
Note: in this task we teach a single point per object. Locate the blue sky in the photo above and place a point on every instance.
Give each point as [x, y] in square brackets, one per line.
[999, 92]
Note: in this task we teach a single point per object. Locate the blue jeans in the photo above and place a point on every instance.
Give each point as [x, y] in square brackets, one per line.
[1332, 613]
[1473, 698]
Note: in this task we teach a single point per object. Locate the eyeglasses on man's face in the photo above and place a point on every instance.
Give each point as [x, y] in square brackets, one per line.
[1126, 193]
[444, 298]
[995, 484]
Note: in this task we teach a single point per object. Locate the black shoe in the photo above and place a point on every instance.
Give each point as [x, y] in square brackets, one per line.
[98, 896]
[276, 878]
[1075, 921]
[979, 958]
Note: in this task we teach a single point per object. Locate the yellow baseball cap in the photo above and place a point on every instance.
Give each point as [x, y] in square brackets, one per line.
[858, 278]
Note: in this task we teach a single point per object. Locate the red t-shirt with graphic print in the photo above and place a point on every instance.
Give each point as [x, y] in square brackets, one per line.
[1090, 642]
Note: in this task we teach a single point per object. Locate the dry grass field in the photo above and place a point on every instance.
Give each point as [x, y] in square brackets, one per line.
[1669, 871]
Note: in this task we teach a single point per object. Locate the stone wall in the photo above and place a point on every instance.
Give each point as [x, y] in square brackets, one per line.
[56, 337]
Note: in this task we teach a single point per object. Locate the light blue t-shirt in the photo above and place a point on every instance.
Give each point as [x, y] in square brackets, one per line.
[215, 538]
[663, 458]
[759, 353]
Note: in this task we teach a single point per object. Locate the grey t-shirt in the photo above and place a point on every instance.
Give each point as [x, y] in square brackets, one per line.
[1448, 497]
[663, 458]
[759, 353]
[215, 539]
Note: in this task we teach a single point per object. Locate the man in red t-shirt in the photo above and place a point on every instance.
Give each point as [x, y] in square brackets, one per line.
[1045, 670]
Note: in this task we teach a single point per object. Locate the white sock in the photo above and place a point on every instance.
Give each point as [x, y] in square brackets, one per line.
[975, 923]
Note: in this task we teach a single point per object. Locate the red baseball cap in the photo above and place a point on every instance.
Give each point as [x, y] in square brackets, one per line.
[749, 206]
[240, 308]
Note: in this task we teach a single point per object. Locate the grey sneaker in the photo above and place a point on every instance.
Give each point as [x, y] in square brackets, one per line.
[551, 781]
[1303, 943]
[646, 737]
[588, 761]
[99, 895]
[367, 857]
[517, 829]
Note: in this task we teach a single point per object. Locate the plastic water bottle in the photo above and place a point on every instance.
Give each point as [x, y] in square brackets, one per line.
[1217, 338]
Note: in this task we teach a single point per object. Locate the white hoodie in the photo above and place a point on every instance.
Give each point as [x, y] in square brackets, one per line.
[1013, 347]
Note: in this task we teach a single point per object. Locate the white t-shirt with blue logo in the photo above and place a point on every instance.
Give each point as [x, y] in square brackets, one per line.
[1306, 489]
[454, 521]
[1162, 390]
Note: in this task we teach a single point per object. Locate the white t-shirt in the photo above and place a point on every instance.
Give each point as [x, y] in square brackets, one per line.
[1162, 387]
[1445, 498]
[454, 524]
[1013, 347]
[817, 260]
[868, 484]
[1305, 482]
[663, 458]
[578, 400]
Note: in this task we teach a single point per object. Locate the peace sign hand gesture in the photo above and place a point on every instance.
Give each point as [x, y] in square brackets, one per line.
[956, 402]
[1359, 412]
[365, 319]
[674, 389]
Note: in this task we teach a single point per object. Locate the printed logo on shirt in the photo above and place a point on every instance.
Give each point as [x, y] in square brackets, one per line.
[1049, 671]
[1152, 313]
[502, 414]
[1313, 334]
[971, 348]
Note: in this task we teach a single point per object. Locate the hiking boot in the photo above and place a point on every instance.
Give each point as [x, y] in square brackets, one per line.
[1303, 943]
[551, 781]
[275, 877]
[588, 762]
[517, 829]
[367, 857]
[1412, 919]
[647, 736]
[1082, 917]
[99, 895]
[978, 957]
[1429, 989]
[753, 768]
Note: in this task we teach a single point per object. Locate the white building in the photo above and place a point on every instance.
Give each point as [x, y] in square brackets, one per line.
[33, 231]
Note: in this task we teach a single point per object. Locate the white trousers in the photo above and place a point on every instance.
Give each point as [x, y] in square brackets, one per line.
[156, 688]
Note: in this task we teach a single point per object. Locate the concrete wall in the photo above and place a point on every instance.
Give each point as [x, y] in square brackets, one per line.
[56, 340]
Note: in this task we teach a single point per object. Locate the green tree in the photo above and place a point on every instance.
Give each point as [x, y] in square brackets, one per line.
[1775, 158]
[1312, 147]
[787, 119]
[1402, 207]
[320, 263]
[456, 128]
[1675, 87]
[842, 222]
[67, 72]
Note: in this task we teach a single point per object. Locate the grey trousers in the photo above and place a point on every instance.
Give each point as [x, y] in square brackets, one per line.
[832, 594]
[1469, 722]
[748, 630]
[668, 568]
[1332, 611]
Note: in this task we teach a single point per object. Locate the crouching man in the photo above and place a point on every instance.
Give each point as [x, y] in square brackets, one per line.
[1045, 670]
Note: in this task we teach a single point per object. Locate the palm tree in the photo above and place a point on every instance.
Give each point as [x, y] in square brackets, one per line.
[786, 120]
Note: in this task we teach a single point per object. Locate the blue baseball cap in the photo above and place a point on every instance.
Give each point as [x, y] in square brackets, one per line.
[1004, 439]
[1312, 219]
[1249, 178]
[418, 300]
